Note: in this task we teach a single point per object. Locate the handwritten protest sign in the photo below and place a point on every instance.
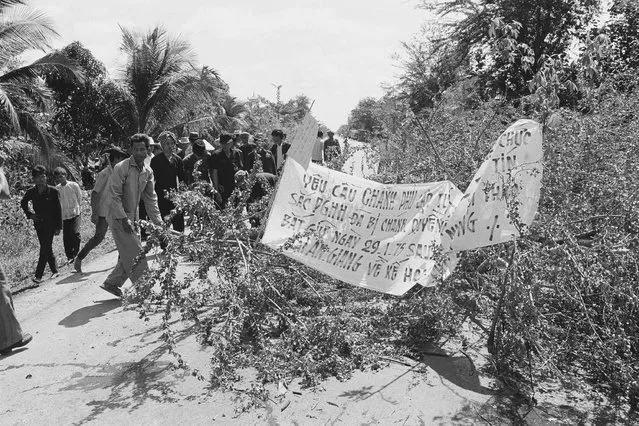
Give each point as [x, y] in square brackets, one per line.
[391, 237]
[503, 194]
[303, 139]
[382, 237]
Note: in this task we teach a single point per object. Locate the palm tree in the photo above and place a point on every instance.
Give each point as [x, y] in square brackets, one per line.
[231, 115]
[23, 93]
[158, 82]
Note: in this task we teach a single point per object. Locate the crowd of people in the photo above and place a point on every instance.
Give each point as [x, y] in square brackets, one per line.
[134, 186]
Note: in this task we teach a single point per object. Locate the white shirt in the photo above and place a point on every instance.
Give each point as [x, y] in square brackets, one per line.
[70, 199]
[318, 151]
[280, 156]
[100, 187]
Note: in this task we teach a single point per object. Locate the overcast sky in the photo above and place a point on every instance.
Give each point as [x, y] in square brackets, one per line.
[334, 51]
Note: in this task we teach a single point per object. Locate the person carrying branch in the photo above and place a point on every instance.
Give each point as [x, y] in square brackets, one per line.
[99, 206]
[11, 334]
[131, 181]
[47, 219]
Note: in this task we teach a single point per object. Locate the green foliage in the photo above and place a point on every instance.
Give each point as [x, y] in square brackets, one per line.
[265, 116]
[502, 44]
[568, 294]
[159, 82]
[623, 32]
[23, 96]
[82, 117]
[364, 118]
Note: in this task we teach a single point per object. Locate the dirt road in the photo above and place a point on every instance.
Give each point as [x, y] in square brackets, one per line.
[93, 362]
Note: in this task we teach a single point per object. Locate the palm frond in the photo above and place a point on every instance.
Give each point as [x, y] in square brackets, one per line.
[124, 111]
[6, 4]
[23, 29]
[32, 127]
[6, 103]
[53, 61]
[159, 75]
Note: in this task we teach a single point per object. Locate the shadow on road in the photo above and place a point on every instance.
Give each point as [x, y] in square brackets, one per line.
[457, 370]
[132, 384]
[78, 277]
[83, 315]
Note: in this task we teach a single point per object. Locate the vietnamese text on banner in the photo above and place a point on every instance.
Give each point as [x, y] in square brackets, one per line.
[382, 237]
[389, 238]
[504, 193]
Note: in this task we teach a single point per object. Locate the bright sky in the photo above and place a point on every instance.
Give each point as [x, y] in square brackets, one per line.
[334, 51]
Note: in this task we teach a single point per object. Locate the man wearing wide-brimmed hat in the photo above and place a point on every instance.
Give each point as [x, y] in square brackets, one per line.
[99, 205]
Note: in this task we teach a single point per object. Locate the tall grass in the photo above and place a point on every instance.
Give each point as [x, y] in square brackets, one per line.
[19, 244]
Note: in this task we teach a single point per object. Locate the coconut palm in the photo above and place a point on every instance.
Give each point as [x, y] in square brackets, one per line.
[23, 94]
[158, 81]
[231, 115]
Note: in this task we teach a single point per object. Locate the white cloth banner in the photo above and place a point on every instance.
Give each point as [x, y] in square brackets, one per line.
[381, 237]
[390, 237]
[303, 139]
[504, 193]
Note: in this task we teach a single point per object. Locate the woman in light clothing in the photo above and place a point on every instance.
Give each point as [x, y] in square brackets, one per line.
[70, 200]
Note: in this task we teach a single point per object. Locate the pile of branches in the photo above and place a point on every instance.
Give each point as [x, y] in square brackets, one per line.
[254, 307]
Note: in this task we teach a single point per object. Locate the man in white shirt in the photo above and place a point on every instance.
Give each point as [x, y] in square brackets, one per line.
[99, 206]
[70, 201]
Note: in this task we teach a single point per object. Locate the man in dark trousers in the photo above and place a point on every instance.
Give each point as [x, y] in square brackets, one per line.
[47, 219]
[225, 162]
[168, 171]
[11, 334]
[278, 150]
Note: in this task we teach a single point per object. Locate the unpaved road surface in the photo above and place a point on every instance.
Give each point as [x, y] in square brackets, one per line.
[93, 362]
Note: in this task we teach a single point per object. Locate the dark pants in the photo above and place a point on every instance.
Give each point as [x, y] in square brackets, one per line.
[45, 234]
[71, 236]
[143, 216]
[165, 207]
[100, 231]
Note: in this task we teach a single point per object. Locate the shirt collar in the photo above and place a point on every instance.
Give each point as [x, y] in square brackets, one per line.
[132, 163]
